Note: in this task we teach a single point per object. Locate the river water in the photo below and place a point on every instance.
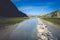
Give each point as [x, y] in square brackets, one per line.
[26, 30]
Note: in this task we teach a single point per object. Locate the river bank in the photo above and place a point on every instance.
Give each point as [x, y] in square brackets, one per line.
[54, 28]
[10, 21]
[43, 32]
[53, 20]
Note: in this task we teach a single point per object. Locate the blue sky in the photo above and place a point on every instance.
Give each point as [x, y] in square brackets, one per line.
[37, 7]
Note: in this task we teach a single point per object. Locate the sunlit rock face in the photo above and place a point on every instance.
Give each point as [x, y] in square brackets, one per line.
[54, 14]
[8, 9]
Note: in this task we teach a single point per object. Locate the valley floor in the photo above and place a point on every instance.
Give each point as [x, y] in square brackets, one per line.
[9, 21]
[53, 20]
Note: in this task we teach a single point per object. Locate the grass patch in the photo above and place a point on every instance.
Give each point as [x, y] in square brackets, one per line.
[11, 20]
[53, 20]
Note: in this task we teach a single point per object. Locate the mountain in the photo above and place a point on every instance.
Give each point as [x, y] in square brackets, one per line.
[8, 9]
[55, 14]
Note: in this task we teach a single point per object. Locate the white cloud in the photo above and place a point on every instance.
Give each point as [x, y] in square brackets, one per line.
[37, 10]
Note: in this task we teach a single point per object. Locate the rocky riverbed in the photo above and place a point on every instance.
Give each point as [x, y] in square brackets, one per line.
[43, 33]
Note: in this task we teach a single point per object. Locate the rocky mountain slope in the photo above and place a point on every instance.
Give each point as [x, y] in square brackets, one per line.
[55, 14]
[8, 9]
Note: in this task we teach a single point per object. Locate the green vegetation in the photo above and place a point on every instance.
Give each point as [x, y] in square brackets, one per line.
[54, 20]
[11, 20]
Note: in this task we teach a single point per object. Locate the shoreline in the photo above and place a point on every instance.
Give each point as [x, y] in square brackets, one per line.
[43, 32]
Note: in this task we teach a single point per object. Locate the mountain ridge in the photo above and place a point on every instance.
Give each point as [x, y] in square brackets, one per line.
[8, 9]
[54, 14]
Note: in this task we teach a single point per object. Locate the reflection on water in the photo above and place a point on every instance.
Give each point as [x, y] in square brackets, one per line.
[25, 30]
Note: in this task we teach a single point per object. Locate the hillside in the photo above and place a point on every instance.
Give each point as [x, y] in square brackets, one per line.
[8, 9]
[55, 14]
[53, 17]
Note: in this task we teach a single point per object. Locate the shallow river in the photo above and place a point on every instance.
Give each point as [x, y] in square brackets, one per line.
[26, 30]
